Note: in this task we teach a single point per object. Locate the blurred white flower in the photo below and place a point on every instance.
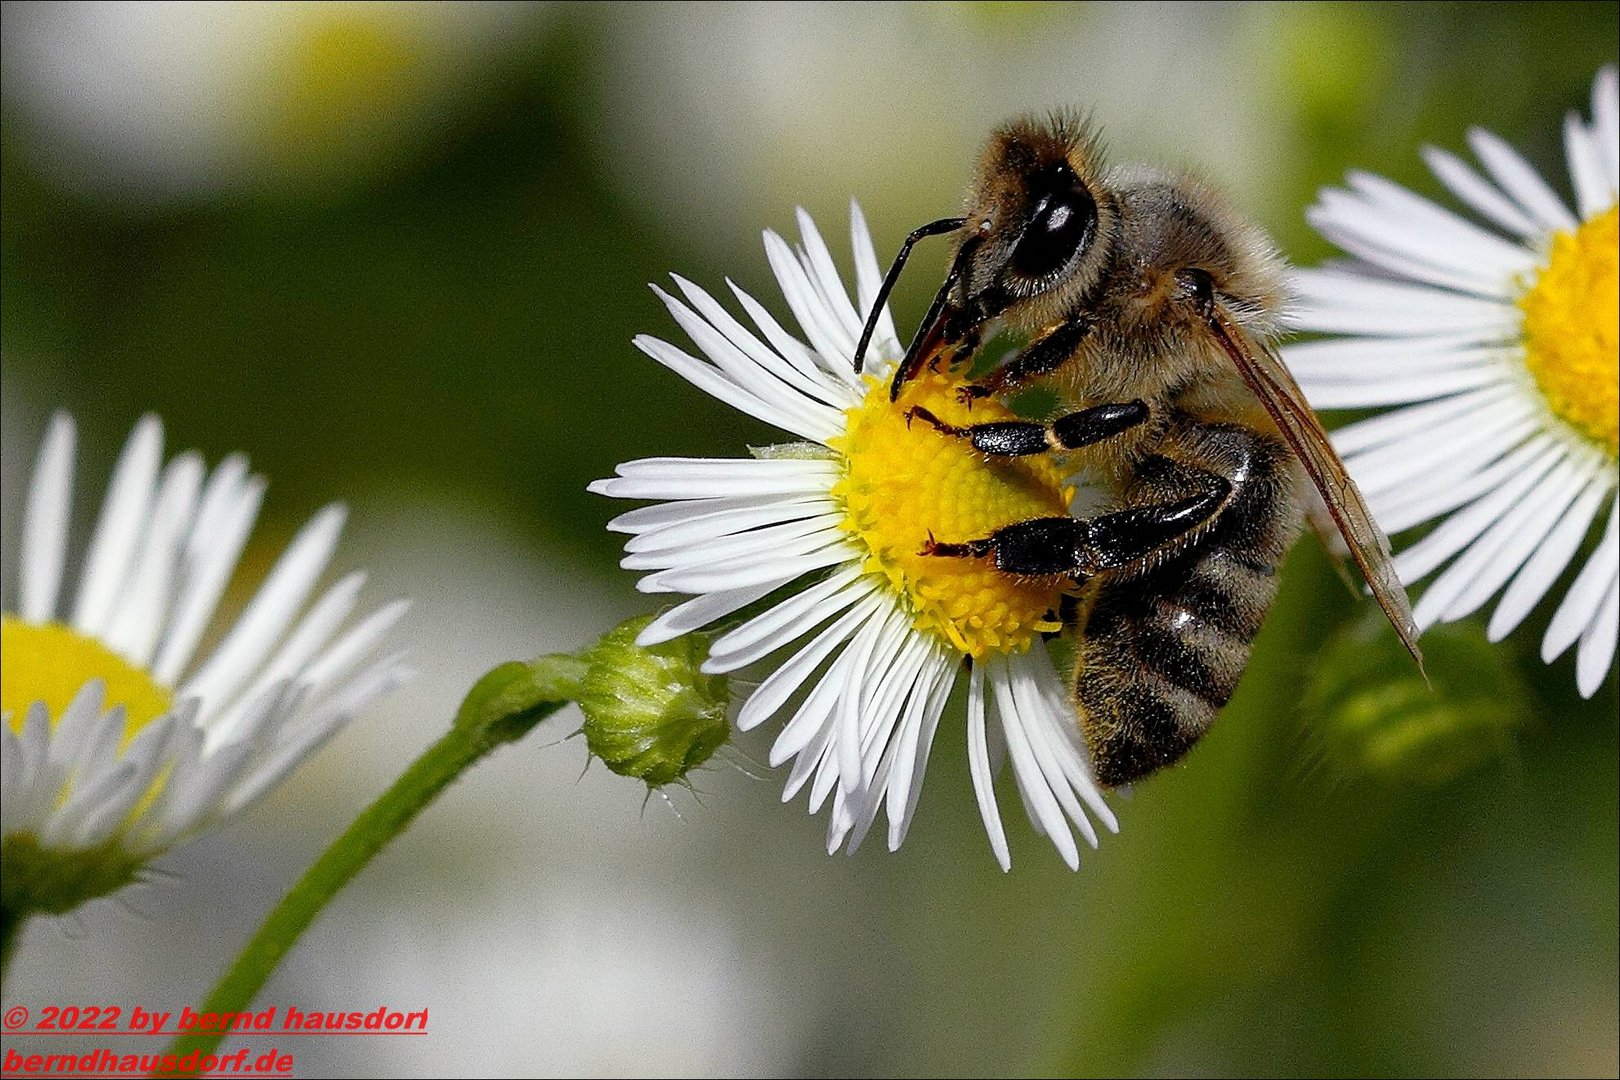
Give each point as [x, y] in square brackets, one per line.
[158, 100]
[1502, 355]
[118, 742]
[856, 507]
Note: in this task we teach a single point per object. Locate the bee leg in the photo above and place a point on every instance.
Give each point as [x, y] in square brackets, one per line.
[1016, 438]
[1082, 548]
[1040, 357]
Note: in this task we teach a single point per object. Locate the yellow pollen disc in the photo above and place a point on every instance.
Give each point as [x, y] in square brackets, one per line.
[1572, 329]
[50, 662]
[903, 483]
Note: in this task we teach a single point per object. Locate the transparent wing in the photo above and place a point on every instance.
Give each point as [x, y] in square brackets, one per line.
[1264, 372]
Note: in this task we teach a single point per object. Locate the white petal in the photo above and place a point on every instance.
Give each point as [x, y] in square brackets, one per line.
[699, 478]
[1538, 516]
[31, 807]
[793, 367]
[1449, 239]
[786, 622]
[76, 727]
[1061, 708]
[1479, 193]
[45, 523]
[11, 773]
[1463, 527]
[871, 664]
[225, 517]
[790, 560]
[118, 531]
[1464, 259]
[780, 685]
[63, 828]
[1597, 644]
[1376, 430]
[350, 650]
[1351, 358]
[719, 386]
[702, 610]
[905, 787]
[1587, 594]
[1432, 493]
[820, 325]
[202, 796]
[1606, 121]
[1363, 392]
[979, 766]
[1549, 560]
[1052, 754]
[1500, 550]
[796, 351]
[1593, 195]
[823, 272]
[1520, 181]
[652, 519]
[142, 609]
[735, 548]
[1342, 301]
[777, 385]
[1043, 806]
[310, 636]
[1460, 446]
[267, 614]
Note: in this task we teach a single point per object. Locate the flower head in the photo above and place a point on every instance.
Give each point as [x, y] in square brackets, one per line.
[838, 524]
[1498, 349]
[118, 740]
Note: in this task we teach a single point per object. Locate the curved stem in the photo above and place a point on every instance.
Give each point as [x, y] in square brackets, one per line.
[503, 707]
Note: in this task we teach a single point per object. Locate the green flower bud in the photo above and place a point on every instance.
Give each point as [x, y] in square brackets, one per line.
[1376, 717]
[649, 711]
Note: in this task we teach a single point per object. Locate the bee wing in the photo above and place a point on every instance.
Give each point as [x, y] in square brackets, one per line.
[1264, 372]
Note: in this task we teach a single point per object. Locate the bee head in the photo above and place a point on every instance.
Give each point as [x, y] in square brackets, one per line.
[1034, 216]
[1030, 244]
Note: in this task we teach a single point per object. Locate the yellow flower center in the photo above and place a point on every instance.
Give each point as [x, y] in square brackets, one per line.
[50, 662]
[906, 482]
[1572, 329]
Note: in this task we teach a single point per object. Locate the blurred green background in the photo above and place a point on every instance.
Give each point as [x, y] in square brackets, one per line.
[396, 253]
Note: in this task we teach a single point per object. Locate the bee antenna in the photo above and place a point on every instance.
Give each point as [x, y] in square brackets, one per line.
[933, 228]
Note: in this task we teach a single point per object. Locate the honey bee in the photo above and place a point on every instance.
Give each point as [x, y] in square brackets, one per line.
[1152, 309]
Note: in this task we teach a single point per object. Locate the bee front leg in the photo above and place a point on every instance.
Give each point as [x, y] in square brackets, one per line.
[1017, 438]
[1083, 548]
[1040, 357]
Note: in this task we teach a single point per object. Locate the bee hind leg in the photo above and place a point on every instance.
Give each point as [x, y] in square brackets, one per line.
[1017, 438]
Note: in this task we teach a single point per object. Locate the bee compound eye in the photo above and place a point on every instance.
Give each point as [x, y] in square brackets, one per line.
[1060, 225]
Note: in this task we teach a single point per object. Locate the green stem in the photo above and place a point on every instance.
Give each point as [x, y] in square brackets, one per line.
[503, 707]
[11, 923]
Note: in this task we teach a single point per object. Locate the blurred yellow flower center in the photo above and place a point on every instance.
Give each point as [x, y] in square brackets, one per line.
[904, 483]
[1572, 329]
[50, 662]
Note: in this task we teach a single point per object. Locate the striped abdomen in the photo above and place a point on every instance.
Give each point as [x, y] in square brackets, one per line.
[1159, 653]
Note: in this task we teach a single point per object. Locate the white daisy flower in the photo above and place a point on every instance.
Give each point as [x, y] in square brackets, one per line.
[119, 741]
[881, 631]
[1499, 347]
